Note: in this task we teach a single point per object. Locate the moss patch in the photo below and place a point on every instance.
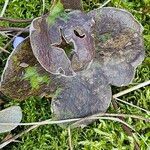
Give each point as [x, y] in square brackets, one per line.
[55, 12]
[34, 78]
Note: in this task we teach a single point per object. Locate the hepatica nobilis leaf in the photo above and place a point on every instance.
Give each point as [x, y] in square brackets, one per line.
[76, 56]
[119, 44]
[23, 76]
[85, 94]
[12, 114]
[47, 41]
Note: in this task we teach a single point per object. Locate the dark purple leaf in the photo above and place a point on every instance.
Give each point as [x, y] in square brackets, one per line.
[46, 41]
[23, 76]
[119, 44]
[86, 94]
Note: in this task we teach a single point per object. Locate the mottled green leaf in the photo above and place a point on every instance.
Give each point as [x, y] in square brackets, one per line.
[23, 76]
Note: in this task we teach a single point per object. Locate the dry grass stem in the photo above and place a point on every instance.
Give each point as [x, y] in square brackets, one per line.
[4, 8]
[122, 101]
[16, 20]
[146, 83]
[4, 50]
[69, 138]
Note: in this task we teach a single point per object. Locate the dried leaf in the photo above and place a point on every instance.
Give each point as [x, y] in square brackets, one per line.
[10, 115]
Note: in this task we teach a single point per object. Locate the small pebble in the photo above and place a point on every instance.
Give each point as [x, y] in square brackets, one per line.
[17, 41]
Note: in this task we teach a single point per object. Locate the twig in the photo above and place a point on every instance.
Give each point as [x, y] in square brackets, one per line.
[4, 8]
[93, 117]
[148, 112]
[118, 120]
[69, 133]
[43, 1]
[69, 138]
[5, 34]
[37, 124]
[124, 116]
[15, 37]
[16, 20]
[96, 116]
[11, 29]
[49, 121]
[105, 3]
[4, 50]
[2, 145]
[131, 89]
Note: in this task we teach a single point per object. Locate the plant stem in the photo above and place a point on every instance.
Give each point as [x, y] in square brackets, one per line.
[4, 8]
[69, 138]
[16, 20]
[20, 32]
[93, 117]
[131, 89]
[97, 116]
[2, 145]
[105, 3]
[4, 50]
[11, 29]
[125, 102]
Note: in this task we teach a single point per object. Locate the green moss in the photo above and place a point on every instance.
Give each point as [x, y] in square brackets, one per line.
[68, 48]
[15, 59]
[55, 12]
[16, 62]
[34, 78]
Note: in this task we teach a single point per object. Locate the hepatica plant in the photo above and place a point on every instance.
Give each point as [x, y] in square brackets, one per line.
[74, 57]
